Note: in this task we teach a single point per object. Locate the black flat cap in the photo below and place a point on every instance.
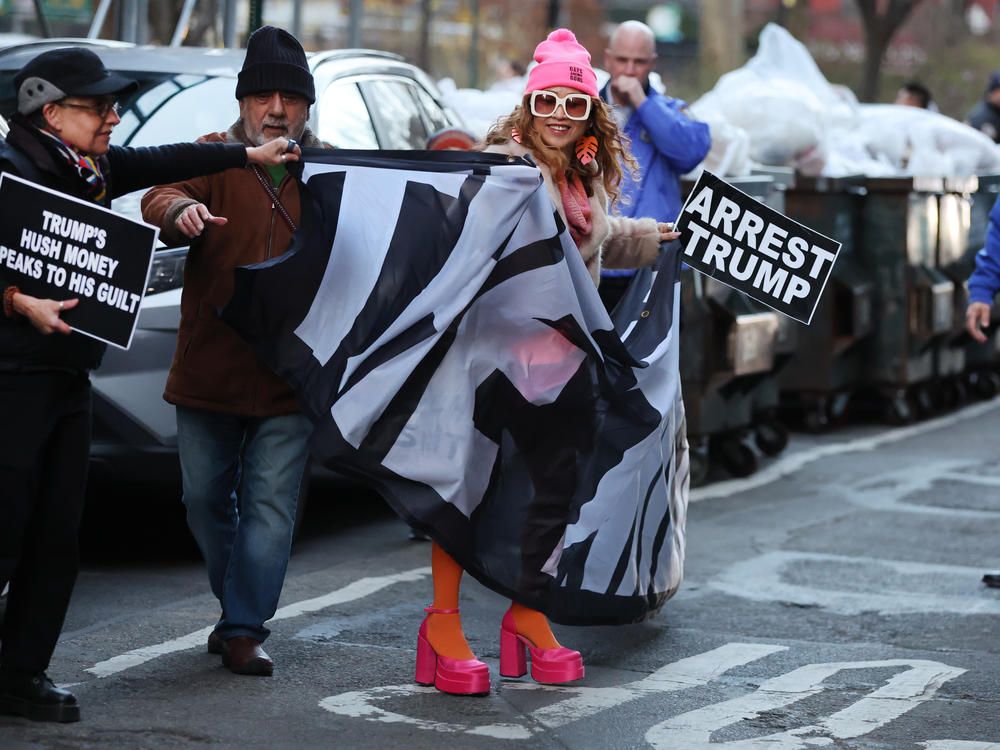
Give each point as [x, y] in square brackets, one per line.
[67, 71]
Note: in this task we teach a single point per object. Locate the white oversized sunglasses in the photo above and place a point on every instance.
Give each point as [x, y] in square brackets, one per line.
[545, 104]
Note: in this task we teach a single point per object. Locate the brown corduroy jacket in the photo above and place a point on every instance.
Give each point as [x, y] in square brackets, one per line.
[213, 368]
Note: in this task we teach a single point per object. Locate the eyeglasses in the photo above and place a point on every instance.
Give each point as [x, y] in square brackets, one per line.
[102, 110]
[545, 104]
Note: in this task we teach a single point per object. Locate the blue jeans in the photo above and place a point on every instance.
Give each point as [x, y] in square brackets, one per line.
[246, 548]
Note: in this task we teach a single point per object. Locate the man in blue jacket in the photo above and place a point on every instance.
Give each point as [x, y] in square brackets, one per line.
[984, 283]
[666, 142]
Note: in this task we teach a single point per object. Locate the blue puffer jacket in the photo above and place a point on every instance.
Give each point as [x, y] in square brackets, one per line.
[984, 282]
[666, 143]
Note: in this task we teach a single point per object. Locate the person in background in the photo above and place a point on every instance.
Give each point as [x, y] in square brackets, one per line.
[984, 283]
[663, 138]
[915, 94]
[985, 116]
[568, 132]
[509, 76]
[67, 108]
[239, 429]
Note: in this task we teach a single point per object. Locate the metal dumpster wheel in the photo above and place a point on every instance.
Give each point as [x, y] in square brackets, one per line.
[994, 378]
[951, 394]
[815, 419]
[837, 408]
[771, 437]
[736, 457]
[698, 459]
[961, 392]
[923, 399]
[899, 410]
[984, 384]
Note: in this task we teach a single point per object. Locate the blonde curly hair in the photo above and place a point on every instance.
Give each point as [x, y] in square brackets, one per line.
[612, 146]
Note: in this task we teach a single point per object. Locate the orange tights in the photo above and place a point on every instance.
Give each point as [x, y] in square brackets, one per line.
[445, 631]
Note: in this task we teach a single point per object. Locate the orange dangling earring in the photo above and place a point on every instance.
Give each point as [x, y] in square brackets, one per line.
[515, 135]
[586, 149]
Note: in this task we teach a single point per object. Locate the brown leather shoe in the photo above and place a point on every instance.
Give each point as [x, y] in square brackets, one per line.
[215, 644]
[243, 655]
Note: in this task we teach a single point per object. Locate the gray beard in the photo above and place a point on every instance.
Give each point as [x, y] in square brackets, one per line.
[257, 137]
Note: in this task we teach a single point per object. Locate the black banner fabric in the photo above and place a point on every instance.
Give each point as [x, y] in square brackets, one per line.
[449, 345]
[55, 246]
[749, 246]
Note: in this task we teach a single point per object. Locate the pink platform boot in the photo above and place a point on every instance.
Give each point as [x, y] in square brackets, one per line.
[456, 676]
[548, 665]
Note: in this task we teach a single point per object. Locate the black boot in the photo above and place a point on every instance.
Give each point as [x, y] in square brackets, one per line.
[35, 697]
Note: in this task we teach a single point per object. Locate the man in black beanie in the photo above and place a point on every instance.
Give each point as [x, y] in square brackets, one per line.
[238, 425]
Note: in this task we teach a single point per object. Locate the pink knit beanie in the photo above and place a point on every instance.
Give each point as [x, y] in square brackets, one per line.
[562, 61]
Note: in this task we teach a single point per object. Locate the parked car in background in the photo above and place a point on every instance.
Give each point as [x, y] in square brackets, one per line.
[364, 100]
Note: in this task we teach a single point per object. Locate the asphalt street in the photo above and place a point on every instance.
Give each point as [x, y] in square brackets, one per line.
[833, 599]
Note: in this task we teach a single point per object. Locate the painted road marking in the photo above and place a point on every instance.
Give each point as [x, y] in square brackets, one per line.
[918, 682]
[795, 461]
[885, 492]
[901, 693]
[584, 701]
[360, 704]
[356, 590]
[761, 579]
[680, 675]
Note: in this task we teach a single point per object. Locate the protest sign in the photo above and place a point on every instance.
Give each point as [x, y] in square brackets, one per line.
[739, 241]
[55, 246]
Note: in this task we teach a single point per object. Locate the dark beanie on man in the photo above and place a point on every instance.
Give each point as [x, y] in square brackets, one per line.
[275, 61]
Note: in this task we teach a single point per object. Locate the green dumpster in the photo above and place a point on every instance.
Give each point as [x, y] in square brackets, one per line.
[826, 370]
[913, 301]
[728, 357]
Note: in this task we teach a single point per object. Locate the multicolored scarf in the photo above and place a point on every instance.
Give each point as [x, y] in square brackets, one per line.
[85, 166]
[576, 204]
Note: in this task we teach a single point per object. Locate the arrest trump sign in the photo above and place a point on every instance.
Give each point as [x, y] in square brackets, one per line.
[739, 241]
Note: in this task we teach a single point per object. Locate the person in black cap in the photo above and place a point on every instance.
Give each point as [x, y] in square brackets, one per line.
[985, 116]
[239, 428]
[67, 106]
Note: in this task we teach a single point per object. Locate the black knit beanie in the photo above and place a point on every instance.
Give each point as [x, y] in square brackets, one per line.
[275, 61]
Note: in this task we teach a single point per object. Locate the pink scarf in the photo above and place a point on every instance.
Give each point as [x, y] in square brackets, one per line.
[576, 205]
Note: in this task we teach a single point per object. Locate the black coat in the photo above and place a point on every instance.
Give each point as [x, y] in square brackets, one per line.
[985, 117]
[27, 153]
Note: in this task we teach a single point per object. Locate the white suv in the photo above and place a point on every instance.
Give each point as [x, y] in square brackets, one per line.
[364, 99]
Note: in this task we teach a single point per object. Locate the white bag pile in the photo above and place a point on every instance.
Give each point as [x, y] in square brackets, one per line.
[479, 109]
[779, 110]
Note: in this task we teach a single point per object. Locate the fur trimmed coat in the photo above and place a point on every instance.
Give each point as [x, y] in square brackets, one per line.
[614, 241]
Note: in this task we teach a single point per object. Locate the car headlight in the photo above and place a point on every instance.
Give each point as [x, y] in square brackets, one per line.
[168, 270]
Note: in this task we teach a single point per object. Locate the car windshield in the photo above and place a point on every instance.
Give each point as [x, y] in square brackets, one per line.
[172, 109]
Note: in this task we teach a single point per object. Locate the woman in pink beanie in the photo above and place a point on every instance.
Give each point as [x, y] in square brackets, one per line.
[568, 131]
[571, 135]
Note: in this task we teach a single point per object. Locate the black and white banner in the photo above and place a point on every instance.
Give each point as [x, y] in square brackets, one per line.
[56, 246]
[752, 248]
[444, 336]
